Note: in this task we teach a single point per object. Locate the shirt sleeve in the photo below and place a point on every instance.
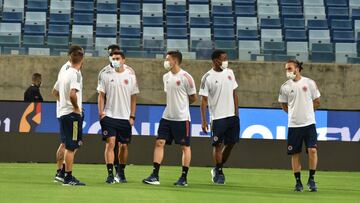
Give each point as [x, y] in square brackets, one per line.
[56, 86]
[283, 98]
[135, 88]
[164, 81]
[101, 86]
[204, 87]
[189, 84]
[75, 81]
[314, 90]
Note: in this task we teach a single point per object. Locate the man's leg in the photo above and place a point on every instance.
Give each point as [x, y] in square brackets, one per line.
[116, 158]
[226, 152]
[296, 167]
[313, 159]
[109, 158]
[123, 156]
[153, 179]
[60, 164]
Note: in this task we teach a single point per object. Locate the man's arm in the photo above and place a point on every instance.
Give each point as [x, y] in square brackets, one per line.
[101, 104]
[203, 104]
[316, 103]
[192, 98]
[236, 103]
[132, 109]
[285, 107]
[55, 93]
[73, 99]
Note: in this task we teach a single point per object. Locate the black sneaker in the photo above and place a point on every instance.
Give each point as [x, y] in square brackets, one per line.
[299, 187]
[181, 182]
[312, 186]
[73, 182]
[59, 177]
[120, 178]
[217, 178]
[152, 180]
[110, 179]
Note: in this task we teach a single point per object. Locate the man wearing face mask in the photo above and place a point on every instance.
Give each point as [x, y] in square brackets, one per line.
[69, 88]
[117, 113]
[32, 94]
[300, 97]
[111, 48]
[180, 90]
[218, 91]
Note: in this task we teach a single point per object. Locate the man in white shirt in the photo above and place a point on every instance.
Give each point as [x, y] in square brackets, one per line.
[218, 91]
[180, 92]
[110, 49]
[60, 172]
[300, 97]
[69, 87]
[117, 113]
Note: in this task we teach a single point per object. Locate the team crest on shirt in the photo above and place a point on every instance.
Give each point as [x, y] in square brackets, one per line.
[178, 83]
[290, 147]
[229, 77]
[126, 82]
[305, 88]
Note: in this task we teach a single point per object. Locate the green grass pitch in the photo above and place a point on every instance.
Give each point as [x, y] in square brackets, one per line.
[34, 183]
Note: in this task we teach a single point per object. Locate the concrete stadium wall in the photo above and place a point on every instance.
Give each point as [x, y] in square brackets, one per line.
[259, 82]
[335, 156]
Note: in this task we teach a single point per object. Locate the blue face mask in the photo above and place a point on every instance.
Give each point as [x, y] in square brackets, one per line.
[116, 64]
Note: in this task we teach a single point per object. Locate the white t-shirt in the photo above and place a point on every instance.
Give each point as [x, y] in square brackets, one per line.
[109, 67]
[178, 87]
[118, 88]
[219, 88]
[68, 80]
[56, 86]
[299, 96]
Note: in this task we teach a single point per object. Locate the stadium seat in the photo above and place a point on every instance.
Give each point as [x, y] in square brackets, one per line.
[130, 43]
[341, 24]
[318, 36]
[246, 23]
[58, 41]
[83, 7]
[343, 51]
[313, 2]
[106, 31]
[12, 17]
[82, 35]
[274, 48]
[223, 22]
[60, 18]
[317, 25]
[13, 6]
[336, 3]
[337, 13]
[60, 6]
[199, 22]
[229, 46]
[294, 23]
[199, 10]
[203, 48]
[221, 2]
[152, 10]
[153, 21]
[130, 21]
[290, 3]
[106, 6]
[270, 35]
[176, 21]
[34, 29]
[153, 33]
[248, 47]
[58, 30]
[39, 51]
[177, 33]
[295, 35]
[200, 34]
[314, 12]
[222, 10]
[292, 12]
[177, 44]
[245, 2]
[279, 57]
[224, 34]
[106, 20]
[83, 18]
[35, 18]
[153, 45]
[343, 36]
[178, 9]
[10, 34]
[322, 53]
[248, 34]
[299, 50]
[34, 40]
[130, 8]
[130, 32]
[271, 11]
[37, 5]
[270, 23]
[245, 11]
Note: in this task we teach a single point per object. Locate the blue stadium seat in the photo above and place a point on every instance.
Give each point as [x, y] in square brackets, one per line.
[318, 36]
[60, 6]
[130, 21]
[343, 51]
[196, 22]
[10, 34]
[175, 10]
[12, 17]
[245, 2]
[153, 1]
[177, 44]
[203, 48]
[229, 46]
[271, 35]
[290, 3]
[336, 3]
[341, 24]
[224, 34]
[35, 18]
[355, 14]
[295, 35]
[198, 1]
[322, 53]
[219, 10]
[106, 7]
[152, 21]
[245, 11]
[177, 33]
[58, 30]
[353, 60]
[314, 12]
[317, 24]
[34, 29]
[152, 10]
[223, 22]
[200, 34]
[247, 48]
[292, 12]
[58, 41]
[83, 7]
[130, 43]
[298, 49]
[59, 18]
[33, 40]
[106, 20]
[154, 45]
[106, 31]
[127, 32]
[268, 11]
[343, 36]
[83, 18]
[199, 10]
[248, 35]
[101, 43]
[130, 8]
[337, 13]
[314, 3]
[294, 23]
[37, 5]
[153, 33]
[176, 21]
[270, 23]
[274, 48]
[246, 23]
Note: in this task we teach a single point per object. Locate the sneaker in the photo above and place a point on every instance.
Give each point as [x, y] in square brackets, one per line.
[110, 179]
[217, 178]
[312, 186]
[181, 182]
[152, 180]
[73, 182]
[59, 177]
[120, 178]
[299, 187]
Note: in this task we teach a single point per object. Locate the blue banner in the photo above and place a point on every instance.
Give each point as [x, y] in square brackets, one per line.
[254, 123]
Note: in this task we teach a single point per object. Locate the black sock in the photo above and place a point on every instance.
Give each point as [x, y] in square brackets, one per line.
[58, 171]
[156, 169]
[122, 168]
[311, 174]
[297, 177]
[218, 168]
[68, 175]
[62, 170]
[184, 172]
[110, 169]
[116, 166]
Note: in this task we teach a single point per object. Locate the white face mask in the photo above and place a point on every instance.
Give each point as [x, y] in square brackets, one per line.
[110, 59]
[224, 65]
[167, 65]
[290, 75]
[116, 64]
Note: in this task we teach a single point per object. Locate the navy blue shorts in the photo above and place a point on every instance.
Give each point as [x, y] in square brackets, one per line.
[179, 131]
[225, 130]
[71, 126]
[296, 137]
[119, 128]
[62, 135]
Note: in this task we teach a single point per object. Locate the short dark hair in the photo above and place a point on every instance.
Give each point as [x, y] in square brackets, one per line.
[36, 77]
[297, 63]
[216, 54]
[117, 52]
[74, 48]
[175, 54]
[113, 47]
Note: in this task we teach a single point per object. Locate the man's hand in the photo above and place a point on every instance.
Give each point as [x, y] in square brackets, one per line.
[131, 121]
[77, 110]
[204, 126]
[101, 115]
